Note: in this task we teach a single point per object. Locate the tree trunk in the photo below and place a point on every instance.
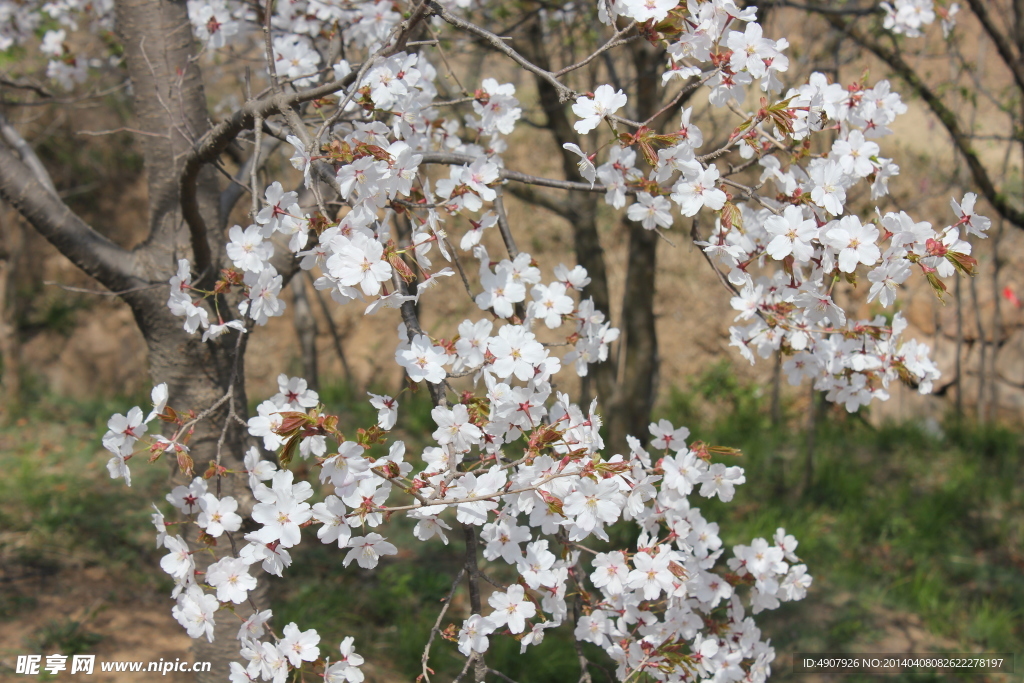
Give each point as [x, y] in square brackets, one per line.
[10, 378]
[306, 330]
[635, 391]
[170, 103]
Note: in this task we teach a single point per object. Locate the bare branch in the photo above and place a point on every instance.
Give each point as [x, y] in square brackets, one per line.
[268, 16]
[503, 226]
[233, 192]
[86, 248]
[1012, 61]
[103, 292]
[500, 675]
[122, 129]
[843, 11]
[505, 174]
[564, 92]
[531, 196]
[24, 85]
[49, 99]
[614, 41]
[335, 335]
[681, 97]
[472, 572]
[27, 154]
[425, 659]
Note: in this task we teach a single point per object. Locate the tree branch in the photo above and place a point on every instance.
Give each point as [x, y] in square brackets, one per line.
[472, 571]
[838, 11]
[233, 192]
[216, 140]
[1002, 44]
[27, 154]
[451, 158]
[25, 85]
[425, 658]
[211, 145]
[564, 92]
[86, 248]
[503, 226]
[614, 41]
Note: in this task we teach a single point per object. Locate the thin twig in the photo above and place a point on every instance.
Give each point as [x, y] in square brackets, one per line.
[458, 266]
[469, 662]
[338, 348]
[503, 226]
[103, 292]
[425, 659]
[614, 41]
[500, 675]
[22, 85]
[686, 90]
[268, 45]
[122, 129]
[564, 92]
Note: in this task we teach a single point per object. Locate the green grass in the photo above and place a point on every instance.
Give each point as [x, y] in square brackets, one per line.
[58, 499]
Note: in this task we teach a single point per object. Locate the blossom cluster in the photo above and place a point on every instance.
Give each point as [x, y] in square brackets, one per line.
[523, 467]
[910, 17]
[514, 460]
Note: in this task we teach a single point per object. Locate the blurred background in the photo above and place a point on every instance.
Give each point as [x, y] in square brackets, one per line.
[910, 513]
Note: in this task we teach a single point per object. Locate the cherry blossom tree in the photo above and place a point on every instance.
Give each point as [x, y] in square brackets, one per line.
[395, 171]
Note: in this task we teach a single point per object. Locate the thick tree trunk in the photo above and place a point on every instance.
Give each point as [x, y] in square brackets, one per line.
[629, 410]
[170, 103]
[197, 374]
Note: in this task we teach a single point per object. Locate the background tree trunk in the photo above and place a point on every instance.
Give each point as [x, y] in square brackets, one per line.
[629, 411]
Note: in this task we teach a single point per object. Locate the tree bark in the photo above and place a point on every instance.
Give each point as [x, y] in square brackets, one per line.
[170, 104]
[306, 330]
[10, 378]
[630, 408]
[197, 375]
